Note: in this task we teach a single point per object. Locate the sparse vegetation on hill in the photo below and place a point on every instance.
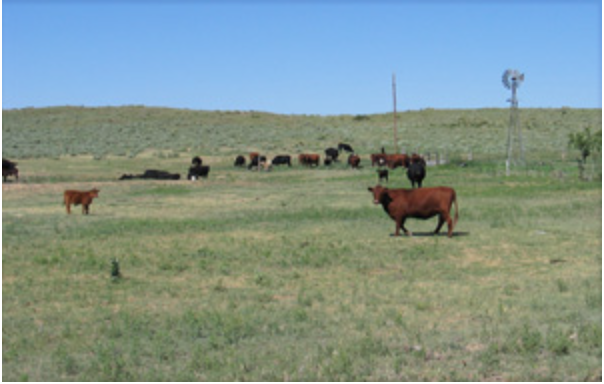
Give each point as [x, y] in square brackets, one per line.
[128, 131]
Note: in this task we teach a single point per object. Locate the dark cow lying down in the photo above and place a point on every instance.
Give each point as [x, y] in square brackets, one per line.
[79, 197]
[197, 171]
[422, 203]
[153, 174]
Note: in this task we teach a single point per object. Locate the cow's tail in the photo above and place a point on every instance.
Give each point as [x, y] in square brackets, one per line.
[456, 217]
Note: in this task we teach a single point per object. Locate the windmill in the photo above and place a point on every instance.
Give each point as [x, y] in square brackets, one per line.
[512, 79]
[395, 130]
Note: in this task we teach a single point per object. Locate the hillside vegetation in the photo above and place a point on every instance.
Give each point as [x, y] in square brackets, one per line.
[129, 131]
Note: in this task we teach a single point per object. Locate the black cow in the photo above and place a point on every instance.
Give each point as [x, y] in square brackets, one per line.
[160, 175]
[345, 147]
[416, 172]
[153, 174]
[282, 160]
[255, 161]
[382, 174]
[332, 153]
[9, 168]
[239, 161]
[196, 172]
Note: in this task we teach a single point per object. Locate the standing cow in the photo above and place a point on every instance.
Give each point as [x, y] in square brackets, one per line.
[309, 159]
[332, 153]
[79, 197]
[345, 147]
[239, 161]
[282, 160]
[423, 203]
[354, 161]
[9, 168]
[382, 174]
[416, 173]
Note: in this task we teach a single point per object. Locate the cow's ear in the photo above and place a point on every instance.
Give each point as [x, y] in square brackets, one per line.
[370, 189]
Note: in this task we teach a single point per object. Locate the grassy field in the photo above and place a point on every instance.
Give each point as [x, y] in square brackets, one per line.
[293, 274]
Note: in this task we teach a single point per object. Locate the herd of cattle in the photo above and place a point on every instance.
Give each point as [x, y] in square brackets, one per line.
[415, 164]
[399, 204]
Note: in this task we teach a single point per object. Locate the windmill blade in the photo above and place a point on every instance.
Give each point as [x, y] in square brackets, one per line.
[505, 79]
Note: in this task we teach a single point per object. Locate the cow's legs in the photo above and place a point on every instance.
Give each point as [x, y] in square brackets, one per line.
[441, 221]
[398, 222]
[446, 217]
[68, 206]
[407, 232]
[84, 209]
[449, 225]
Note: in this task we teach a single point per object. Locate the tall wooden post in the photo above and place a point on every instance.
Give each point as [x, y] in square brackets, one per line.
[394, 101]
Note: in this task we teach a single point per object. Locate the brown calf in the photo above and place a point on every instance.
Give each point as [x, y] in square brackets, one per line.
[422, 203]
[354, 161]
[79, 197]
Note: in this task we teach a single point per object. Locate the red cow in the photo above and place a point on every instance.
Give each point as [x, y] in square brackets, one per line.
[354, 161]
[378, 158]
[422, 203]
[394, 161]
[79, 197]
[309, 159]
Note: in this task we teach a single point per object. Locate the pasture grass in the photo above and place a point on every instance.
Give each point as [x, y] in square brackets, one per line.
[293, 275]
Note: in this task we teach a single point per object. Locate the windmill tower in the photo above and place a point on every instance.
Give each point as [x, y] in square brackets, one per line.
[512, 79]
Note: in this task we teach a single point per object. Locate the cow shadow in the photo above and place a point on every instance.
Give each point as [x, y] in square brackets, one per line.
[432, 234]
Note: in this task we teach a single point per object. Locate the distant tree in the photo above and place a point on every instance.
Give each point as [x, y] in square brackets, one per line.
[586, 143]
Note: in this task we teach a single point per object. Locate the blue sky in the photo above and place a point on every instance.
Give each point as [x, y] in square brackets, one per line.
[302, 57]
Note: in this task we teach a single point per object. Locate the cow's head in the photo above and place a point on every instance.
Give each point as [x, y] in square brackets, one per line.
[94, 192]
[378, 193]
